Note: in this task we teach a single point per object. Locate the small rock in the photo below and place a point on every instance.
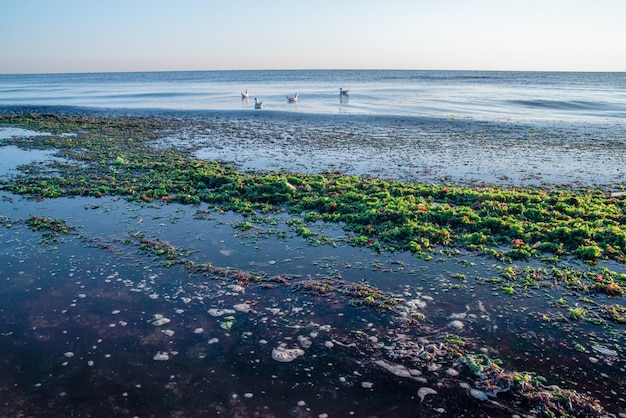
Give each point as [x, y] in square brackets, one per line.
[456, 324]
[425, 391]
[478, 394]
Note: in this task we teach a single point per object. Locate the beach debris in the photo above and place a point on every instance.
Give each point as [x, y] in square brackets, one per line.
[285, 355]
[425, 391]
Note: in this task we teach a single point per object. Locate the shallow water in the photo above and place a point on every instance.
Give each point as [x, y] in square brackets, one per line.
[78, 335]
[480, 95]
[12, 157]
[92, 298]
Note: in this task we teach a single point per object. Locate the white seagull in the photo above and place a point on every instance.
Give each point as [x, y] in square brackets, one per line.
[343, 92]
[293, 99]
[245, 95]
[257, 104]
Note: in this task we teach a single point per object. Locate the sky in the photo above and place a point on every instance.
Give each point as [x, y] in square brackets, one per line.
[59, 36]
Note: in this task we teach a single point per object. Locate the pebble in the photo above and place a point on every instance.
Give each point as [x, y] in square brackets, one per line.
[604, 351]
[161, 321]
[452, 372]
[396, 369]
[433, 367]
[425, 391]
[478, 394]
[456, 324]
[242, 307]
[367, 385]
[161, 356]
[236, 288]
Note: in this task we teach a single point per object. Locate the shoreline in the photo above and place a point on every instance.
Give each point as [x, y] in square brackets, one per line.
[413, 149]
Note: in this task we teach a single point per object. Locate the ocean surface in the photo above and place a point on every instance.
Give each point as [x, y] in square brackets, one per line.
[480, 95]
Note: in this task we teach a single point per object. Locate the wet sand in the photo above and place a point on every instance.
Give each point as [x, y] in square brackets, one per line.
[416, 150]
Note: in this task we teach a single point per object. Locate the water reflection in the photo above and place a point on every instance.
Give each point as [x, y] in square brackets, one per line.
[82, 320]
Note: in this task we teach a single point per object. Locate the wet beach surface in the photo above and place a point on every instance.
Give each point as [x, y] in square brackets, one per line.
[96, 324]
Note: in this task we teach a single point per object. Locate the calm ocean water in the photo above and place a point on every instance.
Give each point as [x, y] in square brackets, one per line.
[539, 96]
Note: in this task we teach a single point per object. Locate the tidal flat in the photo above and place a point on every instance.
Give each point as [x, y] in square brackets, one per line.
[185, 265]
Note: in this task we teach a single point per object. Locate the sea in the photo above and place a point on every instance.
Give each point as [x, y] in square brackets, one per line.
[589, 97]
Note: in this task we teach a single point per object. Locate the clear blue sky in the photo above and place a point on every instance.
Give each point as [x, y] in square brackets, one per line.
[39, 36]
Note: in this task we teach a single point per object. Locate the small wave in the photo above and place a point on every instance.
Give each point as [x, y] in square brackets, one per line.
[153, 95]
[567, 105]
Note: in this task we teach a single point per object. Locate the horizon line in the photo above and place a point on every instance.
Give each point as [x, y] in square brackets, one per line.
[306, 69]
